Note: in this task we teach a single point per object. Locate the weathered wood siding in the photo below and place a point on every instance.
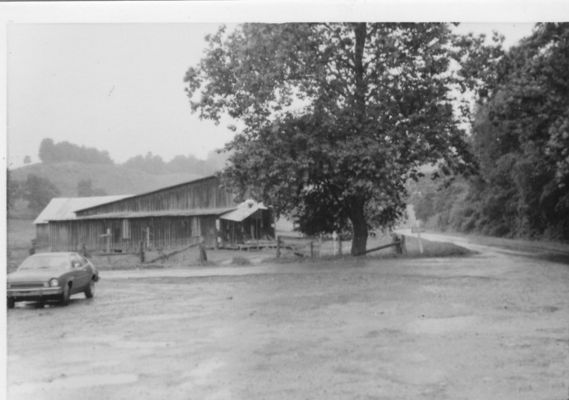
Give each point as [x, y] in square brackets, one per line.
[126, 235]
[201, 194]
[257, 226]
[42, 235]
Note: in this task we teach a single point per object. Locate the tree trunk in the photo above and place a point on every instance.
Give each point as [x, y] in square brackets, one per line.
[359, 226]
[357, 217]
[361, 89]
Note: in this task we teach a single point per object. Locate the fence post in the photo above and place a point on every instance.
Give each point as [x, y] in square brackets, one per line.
[32, 250]
[311, 249]
[203, 254]
[340, 244]
[419, 239]
[278, 246]
[397, 243]
[335, 242]
[84, 251]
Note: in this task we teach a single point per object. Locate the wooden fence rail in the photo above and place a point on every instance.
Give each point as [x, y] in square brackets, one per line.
[197, 241]
[313, 246]
[300, 243]
[398, 243]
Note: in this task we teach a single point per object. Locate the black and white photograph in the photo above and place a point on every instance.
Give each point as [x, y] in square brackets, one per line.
[244, 200]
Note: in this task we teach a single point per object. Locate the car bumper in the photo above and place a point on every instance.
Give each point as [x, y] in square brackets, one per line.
[34, 293]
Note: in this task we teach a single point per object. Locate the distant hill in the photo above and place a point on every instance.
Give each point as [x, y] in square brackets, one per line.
[113, 179]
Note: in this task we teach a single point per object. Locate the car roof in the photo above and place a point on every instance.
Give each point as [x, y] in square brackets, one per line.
[56, 253]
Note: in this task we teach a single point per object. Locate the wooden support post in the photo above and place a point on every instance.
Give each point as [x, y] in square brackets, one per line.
[278, 246]
[108, 240]
[217, 229]
[141, 251]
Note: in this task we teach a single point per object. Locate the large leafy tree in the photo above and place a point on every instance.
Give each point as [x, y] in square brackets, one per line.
[531, 106]
[334, 118]
[521, 139]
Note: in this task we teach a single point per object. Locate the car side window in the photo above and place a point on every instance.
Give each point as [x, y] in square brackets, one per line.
[76, 261]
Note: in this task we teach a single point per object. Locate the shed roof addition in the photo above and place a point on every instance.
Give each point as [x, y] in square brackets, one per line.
[243, 211]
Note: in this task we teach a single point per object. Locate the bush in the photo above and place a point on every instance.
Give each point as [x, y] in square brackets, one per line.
[240, 261]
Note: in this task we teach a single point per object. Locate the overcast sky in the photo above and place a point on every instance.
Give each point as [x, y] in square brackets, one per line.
[118, 87]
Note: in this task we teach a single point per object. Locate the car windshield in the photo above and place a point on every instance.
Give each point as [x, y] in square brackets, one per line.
[47, 261]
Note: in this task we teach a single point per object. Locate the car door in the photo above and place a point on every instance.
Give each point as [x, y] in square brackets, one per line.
[81, 273]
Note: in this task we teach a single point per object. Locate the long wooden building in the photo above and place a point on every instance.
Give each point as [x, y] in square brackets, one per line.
[170, 217]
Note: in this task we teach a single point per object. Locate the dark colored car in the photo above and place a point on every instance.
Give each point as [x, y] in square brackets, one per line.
[51, 277]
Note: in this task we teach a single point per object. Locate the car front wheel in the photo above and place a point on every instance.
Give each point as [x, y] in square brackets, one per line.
[11, 302]
[90, 291]
[65, 295]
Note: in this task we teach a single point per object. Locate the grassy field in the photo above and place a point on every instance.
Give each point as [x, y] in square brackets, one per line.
[113, 179]
[19, 239]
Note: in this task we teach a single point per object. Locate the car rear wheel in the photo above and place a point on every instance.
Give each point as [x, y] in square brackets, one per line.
[65, 295]
[90, 291]
[11, 302]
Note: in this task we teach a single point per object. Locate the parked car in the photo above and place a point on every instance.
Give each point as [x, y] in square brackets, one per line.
[51, 277]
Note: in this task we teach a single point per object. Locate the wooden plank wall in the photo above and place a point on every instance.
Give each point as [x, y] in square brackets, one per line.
[202, 194]
[165, 232]
[42, 235]
[239, 232]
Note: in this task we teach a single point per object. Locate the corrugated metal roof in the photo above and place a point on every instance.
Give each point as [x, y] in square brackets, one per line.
[244, 210]
[155, 191]
[63, 208]
[162, 213]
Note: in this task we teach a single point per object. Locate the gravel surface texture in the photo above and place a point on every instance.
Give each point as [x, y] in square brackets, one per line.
[494, 325]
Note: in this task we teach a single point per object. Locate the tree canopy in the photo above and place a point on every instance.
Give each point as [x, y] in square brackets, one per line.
[334, 118]
[51, 152]
[521, 140]
[154, 164]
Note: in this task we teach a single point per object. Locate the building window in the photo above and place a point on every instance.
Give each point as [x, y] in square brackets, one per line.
[125, 229]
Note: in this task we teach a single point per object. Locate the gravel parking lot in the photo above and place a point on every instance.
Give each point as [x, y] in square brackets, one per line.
[487, 326]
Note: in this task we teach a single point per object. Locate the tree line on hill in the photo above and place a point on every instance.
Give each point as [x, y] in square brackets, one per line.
[38, 190]
[520, 138]
[52, 152]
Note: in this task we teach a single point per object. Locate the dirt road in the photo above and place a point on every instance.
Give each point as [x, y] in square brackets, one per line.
[490, 326]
